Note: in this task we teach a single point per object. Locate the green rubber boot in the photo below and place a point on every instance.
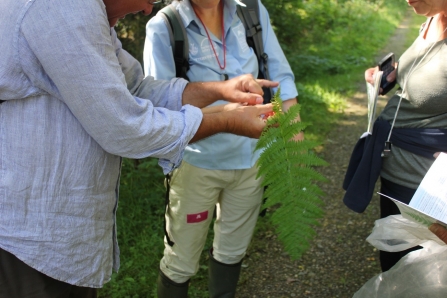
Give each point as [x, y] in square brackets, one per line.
[166, 288]
[222, 278]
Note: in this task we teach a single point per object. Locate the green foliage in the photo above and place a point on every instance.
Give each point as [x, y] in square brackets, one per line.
[330, 37]
[287, 168]
[132, 32]
[320, 107]
[140, 229]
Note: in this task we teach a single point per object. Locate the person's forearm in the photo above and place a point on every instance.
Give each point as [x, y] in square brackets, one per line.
[285, 106]
[242, 120]
[288, 103]
[213, 109]
[211, 124]
[202, 94]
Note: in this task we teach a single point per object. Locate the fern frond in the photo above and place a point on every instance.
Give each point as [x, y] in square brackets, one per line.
[287, 167]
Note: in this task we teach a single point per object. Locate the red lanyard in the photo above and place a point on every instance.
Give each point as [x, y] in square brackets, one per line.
[223, 37]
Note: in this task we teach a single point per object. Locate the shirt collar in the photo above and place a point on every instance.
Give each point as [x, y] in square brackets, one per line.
[187, 13]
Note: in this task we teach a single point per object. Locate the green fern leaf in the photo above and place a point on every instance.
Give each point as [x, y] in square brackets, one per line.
[288, 169]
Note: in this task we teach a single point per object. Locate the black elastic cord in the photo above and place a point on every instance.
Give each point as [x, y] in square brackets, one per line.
[168, 188]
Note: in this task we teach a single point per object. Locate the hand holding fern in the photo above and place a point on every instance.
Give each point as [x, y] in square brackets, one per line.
[247, 120]
[238, 119]
[222, 107]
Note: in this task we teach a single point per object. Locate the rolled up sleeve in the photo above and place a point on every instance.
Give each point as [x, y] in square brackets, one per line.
[79, 58]
[279, 67]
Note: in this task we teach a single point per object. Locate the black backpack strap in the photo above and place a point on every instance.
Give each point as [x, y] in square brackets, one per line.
[178, 38]
[168, 189]
[250, 18]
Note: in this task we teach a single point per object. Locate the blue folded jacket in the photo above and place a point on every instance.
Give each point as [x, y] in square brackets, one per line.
[366, 159]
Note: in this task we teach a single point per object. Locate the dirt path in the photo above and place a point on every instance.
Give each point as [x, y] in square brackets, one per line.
[340, 261]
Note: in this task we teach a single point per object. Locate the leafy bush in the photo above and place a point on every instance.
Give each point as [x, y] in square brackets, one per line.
[330, 37]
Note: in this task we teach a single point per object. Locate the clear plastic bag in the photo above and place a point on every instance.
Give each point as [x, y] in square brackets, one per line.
[396, 233]
[421, 273]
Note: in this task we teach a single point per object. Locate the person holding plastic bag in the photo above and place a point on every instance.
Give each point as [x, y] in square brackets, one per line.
[413, 123]
[439, 231]
[421, 273]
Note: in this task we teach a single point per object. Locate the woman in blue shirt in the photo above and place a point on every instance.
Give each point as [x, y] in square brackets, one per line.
[220, 171]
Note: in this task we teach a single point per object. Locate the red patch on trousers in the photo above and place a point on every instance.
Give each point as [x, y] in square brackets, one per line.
[197, 217]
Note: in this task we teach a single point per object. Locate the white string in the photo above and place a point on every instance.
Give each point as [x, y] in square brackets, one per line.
[240, 3]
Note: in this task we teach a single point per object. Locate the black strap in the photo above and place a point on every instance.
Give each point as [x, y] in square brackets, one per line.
[168, 188]
[250, 18]
[2, 101]
[179, 42]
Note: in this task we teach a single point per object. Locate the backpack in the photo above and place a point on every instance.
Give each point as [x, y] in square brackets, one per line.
[179, 41]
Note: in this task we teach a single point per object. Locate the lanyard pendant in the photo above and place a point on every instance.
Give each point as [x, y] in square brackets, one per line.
[387, 150]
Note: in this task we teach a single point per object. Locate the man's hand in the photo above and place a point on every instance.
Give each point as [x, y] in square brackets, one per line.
[222, 108]
[439, 231]
[242, 89]
[247, 120]
[246, 89]
[235, 118]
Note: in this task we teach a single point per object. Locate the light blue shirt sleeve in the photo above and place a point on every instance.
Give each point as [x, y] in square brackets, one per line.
[157, 54]
[279, 68]
[88, 78]
[162, 93]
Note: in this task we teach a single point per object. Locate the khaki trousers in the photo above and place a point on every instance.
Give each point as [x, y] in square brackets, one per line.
[194, 195]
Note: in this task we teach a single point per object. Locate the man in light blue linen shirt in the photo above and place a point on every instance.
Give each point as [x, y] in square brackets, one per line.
[67, 116]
